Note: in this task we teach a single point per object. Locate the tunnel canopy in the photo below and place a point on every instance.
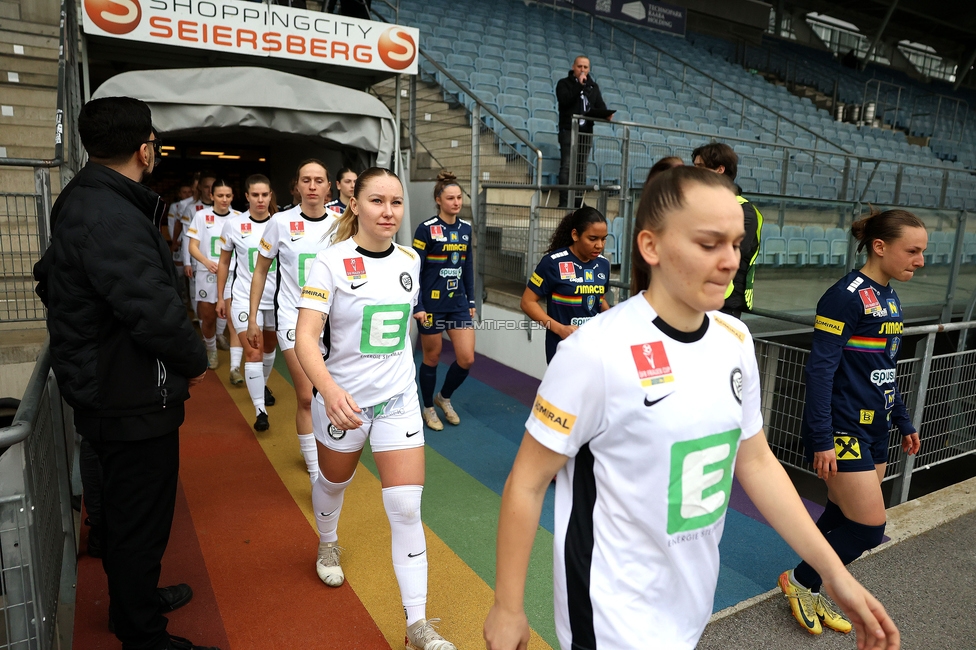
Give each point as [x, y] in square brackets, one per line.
[189, 101]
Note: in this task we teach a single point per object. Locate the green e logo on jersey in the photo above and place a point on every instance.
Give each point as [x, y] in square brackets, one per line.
[304, 266]
[252, 258]
[701, 480]
[384, 328]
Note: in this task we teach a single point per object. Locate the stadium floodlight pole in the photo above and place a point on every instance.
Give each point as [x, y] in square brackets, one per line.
[877, 36]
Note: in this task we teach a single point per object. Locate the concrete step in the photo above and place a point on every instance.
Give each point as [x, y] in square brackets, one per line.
[19, 49]
[33, 39]
[18, 151]
[25, 27]
[25, 64]
[27, 136]
[31, 79]
[20, 95]
[30, 116]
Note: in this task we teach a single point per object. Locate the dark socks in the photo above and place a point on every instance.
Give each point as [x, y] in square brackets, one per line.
[831, 518]
[455, 377]
[849, 540]
[428, 379]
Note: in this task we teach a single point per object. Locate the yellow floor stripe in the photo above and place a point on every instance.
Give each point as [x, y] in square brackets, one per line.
[457, 594]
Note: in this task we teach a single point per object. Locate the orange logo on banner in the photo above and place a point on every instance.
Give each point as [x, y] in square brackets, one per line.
[396, 48]
[114, 16]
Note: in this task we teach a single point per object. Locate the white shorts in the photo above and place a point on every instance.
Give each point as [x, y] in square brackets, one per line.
[239, 310]
[392, 425]
[205, 289]
[286, 339]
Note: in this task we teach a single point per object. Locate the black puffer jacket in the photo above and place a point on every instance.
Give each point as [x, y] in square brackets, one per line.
[121, 341]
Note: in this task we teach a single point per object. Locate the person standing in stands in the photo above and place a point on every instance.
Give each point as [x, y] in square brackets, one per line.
[853, 401]
[345, 184]
[720, 158]
[573, 276]
[576, 94]
[124, 354]
[447, 297]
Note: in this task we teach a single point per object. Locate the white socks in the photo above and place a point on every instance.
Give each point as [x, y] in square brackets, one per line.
[402, 504]
[236, 356]
[254, 378]
[210, 344]
[306, 442]
[327, 504]
[221, 326]
[268, 362]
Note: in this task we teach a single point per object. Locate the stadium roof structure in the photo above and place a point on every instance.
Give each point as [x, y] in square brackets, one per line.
[183, 103]
[948, 26]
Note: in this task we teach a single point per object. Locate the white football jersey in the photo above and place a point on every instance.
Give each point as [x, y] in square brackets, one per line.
[186, 218]
[173, 214]
[241, 235]
[207, 227]
[294, 239]
[369, 298]
[651, 419]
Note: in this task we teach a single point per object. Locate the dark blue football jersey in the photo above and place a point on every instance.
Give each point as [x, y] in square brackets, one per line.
[446, 267]
[574, 289]
[850, 375]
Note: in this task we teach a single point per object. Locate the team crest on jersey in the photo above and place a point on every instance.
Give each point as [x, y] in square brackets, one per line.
[735, 379]
[652, 363]
[452, 284]
[437, 232]
[355, 268]
[210, 219]
[454, 235]
[870, 301]
[297, 229]
[894, 346]
[567, 271]
[590, 302]
[406, 281]
[588, 275]
[893, 307]
[455, 257]
[245, 229]
[336, 433]
[198, 207]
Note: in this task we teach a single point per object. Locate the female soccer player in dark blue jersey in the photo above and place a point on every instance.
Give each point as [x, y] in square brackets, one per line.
[447, 295]
[573, 276]
[853, 401]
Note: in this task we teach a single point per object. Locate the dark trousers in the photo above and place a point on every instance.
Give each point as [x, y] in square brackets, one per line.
[138, 498]
[585, 143]
[91, 481]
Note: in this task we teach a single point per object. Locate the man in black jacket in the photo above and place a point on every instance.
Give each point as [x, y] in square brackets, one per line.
[576, 93]
[124, 354]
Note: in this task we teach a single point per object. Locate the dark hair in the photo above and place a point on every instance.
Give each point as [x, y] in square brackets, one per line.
[348, 223]
[255, 179]
[444, 180]
[113, 128]
[310, 161]
[886, 226]
[579, 221]
[663, 165]
[663, 195]
[208, 174]
[220, 182]
[718, 154]
[343, 172]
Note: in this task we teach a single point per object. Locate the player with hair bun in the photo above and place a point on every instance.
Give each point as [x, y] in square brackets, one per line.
[853, 401]
[646, 413]
[358, 301]
[573, 276]
[447, 296]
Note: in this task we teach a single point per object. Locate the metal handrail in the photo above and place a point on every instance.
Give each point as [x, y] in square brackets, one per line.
[59, 115]
[779, 115]
[29, 409]
[937, 328]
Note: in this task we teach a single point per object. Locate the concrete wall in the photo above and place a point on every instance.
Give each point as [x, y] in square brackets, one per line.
[502, 337]
[47, 12]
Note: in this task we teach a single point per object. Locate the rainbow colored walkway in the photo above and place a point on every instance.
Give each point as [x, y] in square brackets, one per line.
[244, 535]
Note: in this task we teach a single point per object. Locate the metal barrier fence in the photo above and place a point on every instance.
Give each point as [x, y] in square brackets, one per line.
[23, 239]
[939, 391]
[37, 545]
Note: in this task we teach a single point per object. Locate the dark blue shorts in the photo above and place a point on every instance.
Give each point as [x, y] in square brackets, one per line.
[856, 453]
[437, 323]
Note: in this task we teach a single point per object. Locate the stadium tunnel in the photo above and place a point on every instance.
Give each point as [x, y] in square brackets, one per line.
[237, 121]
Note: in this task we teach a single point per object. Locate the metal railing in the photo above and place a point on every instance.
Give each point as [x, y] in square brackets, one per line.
[939, 391]
[38, 568]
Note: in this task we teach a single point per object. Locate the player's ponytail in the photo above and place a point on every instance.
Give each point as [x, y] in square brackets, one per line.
[578, 220]
[348, 224]
[886, 226]
[662, 196]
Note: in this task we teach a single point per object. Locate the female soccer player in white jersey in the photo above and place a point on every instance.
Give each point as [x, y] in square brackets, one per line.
[292, 238]
[201, 200]
[239, 243]
[365, 287]
[205, 229]
[645, 412]
[345, 184]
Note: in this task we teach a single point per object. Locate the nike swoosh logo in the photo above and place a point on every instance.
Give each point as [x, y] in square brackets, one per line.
[329, 514]
[411, 435]
[648, 402]
[416, 554]
[255, 377]
[295, 238]
[356, 286]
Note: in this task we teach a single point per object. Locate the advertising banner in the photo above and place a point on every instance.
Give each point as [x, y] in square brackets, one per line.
[241, 27]
[656, 15]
